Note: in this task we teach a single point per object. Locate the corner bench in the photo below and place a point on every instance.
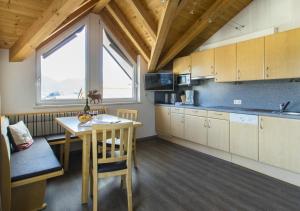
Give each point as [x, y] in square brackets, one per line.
[24, 173]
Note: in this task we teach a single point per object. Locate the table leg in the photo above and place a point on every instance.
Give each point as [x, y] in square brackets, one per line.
[67, 151]
[86, 144]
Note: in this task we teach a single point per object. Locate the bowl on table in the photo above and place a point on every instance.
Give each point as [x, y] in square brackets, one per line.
[83, 118]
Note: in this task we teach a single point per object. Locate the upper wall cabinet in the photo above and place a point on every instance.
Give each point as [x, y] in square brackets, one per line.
[250, 60]
[182, 65]
[203, 63]
[282, 55]
[225, 63]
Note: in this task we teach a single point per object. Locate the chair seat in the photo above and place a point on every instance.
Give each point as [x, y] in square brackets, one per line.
[57, 137]
[37, 160]
[108, 167]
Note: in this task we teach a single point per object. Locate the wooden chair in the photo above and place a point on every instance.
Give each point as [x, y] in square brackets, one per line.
[111, 161]
[131, 115]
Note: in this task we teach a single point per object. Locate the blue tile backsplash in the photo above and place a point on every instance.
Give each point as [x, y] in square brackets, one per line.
[254, 94]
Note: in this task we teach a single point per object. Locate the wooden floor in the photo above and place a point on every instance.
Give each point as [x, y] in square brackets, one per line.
[174, 178]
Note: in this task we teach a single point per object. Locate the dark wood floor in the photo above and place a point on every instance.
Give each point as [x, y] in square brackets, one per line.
[174, 178]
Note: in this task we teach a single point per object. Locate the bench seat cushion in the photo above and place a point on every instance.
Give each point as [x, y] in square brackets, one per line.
[37, 160]
[57, 137]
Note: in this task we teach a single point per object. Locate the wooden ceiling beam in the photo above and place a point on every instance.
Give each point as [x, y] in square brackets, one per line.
[76, 16]
[199, 26]
[115, 30]
[146, 17]
[181, 6]
[128, 29]
[165, 23]
[51, 18]
[100, 5]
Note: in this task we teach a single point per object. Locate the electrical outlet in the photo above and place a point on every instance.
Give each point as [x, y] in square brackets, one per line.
[237, 102]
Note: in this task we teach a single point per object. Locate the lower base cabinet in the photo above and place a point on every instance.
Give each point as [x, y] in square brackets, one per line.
[177, 125]
[218, 134]
[195, 129]
[279, 142]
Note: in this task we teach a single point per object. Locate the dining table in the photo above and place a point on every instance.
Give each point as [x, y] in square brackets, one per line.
[74, 127]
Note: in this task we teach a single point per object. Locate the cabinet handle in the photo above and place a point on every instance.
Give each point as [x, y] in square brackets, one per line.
[239, 74]
[208, 124]
[267, 72]
[205, 123]
[261, 124]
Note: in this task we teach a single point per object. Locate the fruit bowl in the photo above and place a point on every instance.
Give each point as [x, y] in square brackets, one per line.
[83, 118]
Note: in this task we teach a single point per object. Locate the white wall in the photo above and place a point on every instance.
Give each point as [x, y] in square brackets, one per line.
[259, 16]
[17, 85]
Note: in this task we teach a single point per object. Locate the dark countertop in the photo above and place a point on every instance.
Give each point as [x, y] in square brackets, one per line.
[259, 112]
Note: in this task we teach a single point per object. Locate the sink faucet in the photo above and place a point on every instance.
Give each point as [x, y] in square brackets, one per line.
[283, 106]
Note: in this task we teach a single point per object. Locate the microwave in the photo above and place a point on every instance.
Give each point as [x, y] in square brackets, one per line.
[184, 79]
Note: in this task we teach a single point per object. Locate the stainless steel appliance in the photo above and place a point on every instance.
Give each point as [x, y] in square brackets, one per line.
[173, 98]
[189, 97]
[184, 79]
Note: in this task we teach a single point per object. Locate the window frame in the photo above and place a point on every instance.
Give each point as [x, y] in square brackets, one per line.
[135, 81]
[56, 41]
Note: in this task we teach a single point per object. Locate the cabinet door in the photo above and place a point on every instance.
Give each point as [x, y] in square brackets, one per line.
[282, 55]
[218, 134]
[279, 142]
[244, 135]
[195, 129]
[177, 125]
[182, 65]
[225, 63]
[250, 60]
[203, 63]
[162, 120]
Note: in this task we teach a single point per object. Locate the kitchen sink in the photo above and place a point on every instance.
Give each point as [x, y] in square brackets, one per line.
[287, 113]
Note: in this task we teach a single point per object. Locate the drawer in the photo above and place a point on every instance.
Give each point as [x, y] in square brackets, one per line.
[177, 110]
[196, 112]
[218, 115]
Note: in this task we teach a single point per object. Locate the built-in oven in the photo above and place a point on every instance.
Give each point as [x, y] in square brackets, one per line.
[183, 79]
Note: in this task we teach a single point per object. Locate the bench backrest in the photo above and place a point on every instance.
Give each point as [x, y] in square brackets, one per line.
[43, 123]
[5, 181]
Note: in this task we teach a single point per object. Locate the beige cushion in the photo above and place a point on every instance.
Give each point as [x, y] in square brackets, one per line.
[21, 135]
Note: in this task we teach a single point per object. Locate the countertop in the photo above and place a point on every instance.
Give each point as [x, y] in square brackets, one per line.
[259, 112]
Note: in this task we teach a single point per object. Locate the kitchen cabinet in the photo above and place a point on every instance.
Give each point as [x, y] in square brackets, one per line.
[196, 129]
[244, 135]
[279, 142]
[250, 59]
[282, 53]
[162, 120]
[203, 63]
[182, 65]
[218, 134]
[177, 125]
[225, 63]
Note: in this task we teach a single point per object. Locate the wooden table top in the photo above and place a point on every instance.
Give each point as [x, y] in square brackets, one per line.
[73, 125]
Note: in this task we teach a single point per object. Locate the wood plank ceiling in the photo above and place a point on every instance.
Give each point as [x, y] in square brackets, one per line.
[159, 30]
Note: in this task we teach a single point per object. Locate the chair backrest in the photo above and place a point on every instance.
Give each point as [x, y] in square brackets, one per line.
[128, 114]
[5, 180]
[101, 133]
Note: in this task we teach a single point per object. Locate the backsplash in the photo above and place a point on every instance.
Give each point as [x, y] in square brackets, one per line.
[253, 94]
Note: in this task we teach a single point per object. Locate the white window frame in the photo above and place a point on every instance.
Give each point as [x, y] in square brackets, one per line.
[49, 46]
[135, 81]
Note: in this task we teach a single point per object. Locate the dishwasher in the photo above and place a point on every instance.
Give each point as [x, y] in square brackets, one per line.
[244, 135]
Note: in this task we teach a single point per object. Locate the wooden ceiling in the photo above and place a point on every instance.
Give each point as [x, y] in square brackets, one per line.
[159, 30]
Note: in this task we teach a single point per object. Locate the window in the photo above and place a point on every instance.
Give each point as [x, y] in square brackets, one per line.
[118, 72]
[62, 75]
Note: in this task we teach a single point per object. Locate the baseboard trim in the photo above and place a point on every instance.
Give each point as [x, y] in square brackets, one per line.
[147, 138]
[275, 172]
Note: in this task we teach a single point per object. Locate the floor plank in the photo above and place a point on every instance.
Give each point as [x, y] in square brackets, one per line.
[171, 177]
